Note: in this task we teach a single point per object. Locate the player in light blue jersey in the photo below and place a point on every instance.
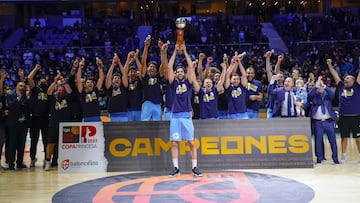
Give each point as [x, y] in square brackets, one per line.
[181, 125]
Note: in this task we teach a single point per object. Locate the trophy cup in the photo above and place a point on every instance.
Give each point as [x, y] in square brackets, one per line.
[180, 24]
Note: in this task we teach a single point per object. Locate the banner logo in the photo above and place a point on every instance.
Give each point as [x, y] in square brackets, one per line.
[87, 132]
[65, 164]
[70, 134]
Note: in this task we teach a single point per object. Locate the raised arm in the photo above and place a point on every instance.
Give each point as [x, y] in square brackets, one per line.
[226, 60]
[272, 85]
[79, 83]
[170, 69]
[124, 70]
[207, 67]
[3, 75]
[191, 70]
[163, 58]
[110, 72]
[268, 65]
[144, 55]
[66, 86]
[228, 73]
[21, 75]
[278, 63]
[51, 89]
[244, 79]
[200, 66]
[220, 83]
[333, 71]
[137, 61]
[100, 81]
[32, 74]
[73, 73]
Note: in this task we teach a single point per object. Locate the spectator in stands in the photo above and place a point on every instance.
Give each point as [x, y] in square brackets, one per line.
[310, 83]
[28, 58]
[39, 112]
[346, 67]
[296, 74]
[89, 93]
[349, 99]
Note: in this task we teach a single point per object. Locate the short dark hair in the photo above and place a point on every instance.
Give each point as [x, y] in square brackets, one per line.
[116, 74]
[90, 78]
[132, 68]
[154, 63]
[182, 67]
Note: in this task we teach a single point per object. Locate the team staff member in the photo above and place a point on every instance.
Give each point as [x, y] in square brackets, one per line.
[181, 124]
[39, 112]
[349, 111]
[283, 97]
[323, 116]
[269, 74]
[18, 116]
[60, 110]
[89, 93]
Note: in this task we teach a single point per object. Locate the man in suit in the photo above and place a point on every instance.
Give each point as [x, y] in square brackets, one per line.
[323, 117]
[283, 97]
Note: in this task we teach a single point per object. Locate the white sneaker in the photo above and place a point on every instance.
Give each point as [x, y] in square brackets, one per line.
[5, 166]
[343, 159]
[47, 165]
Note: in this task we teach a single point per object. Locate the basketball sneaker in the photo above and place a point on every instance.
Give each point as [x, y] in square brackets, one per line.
[197, 172]
[174, 172]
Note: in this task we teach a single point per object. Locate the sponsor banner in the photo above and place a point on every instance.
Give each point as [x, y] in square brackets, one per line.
[81, 147]
[221, 144]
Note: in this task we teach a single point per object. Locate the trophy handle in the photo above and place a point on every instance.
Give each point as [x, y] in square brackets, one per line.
[180, 37]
